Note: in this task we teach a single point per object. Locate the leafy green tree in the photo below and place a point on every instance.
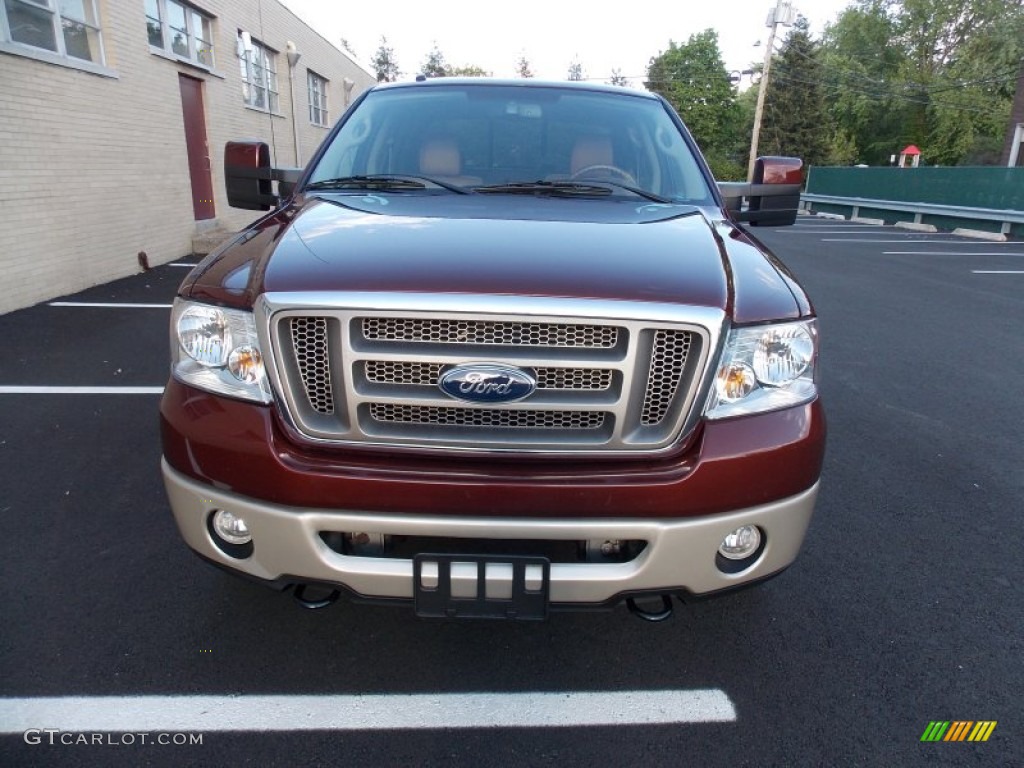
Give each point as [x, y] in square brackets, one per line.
[936, 73]
[435, 65]
[695, 82]
[523, 67]
[860, 61]
[384, 63]
[796, 121]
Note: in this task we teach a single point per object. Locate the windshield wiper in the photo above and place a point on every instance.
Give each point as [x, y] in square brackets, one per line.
[635, 190]
[385, 183]
[568, 189]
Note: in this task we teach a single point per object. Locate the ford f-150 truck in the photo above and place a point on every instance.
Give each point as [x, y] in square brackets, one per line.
[503, 346]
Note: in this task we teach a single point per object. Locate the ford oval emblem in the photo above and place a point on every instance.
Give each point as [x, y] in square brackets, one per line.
[487, 383]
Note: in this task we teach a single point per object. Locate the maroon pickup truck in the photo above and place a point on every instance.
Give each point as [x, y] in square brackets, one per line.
[502, 347]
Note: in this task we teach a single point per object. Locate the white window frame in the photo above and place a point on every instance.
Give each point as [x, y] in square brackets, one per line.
[316, 90]
[201, 51]
[59, 54]
[255, 57]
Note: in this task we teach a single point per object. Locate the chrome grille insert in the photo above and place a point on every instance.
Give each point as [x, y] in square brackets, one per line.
[309, 340]
[487, 417]
[668, 359]
[446, 331]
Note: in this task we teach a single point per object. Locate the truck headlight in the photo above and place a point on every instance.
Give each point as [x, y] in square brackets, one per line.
[217, 349]
[764, 368]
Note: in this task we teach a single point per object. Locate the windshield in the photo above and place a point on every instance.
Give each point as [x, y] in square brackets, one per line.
[489, 138]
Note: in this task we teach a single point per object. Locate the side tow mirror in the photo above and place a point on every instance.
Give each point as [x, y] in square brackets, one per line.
[773, 197]
[249, 177]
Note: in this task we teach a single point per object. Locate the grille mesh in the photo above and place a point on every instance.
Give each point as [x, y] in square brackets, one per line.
[309, 340]
[427, 374]
[668, 358]
[447, 331]
[473, 417]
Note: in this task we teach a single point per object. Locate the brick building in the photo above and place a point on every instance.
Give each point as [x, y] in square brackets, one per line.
[114, 119]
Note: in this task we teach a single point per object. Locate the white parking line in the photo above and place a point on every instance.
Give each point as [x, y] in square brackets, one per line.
[362, 713]
[860, 230]
[997, 271]
[181, 264]
[949, 253]
[908, 239]
[17, 389]
[111, 305]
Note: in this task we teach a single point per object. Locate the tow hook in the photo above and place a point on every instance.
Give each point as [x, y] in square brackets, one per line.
[648, 615]
[313, 604]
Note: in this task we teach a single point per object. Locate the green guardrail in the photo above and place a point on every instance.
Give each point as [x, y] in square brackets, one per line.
[971, 187]
[986, 187]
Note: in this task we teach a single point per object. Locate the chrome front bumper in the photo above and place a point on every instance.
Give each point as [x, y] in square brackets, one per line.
[680, 554]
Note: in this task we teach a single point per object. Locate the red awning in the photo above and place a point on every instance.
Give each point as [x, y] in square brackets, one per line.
[911, 150]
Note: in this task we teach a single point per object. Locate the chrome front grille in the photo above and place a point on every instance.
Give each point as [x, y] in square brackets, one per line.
[361, 375]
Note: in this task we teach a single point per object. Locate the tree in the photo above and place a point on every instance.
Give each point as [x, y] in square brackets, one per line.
[796, 121]
[575, 71]
[345, 45]
[435, 65]
[468, 70]
[695, 82]
[523, 67]
[618, 78]
[384, 63]
[860, 61]
[936, 73]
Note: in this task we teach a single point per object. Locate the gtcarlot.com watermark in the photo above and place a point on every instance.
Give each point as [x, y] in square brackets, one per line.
[56, 737]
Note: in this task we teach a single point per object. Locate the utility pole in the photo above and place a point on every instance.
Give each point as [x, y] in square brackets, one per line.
[782, 14]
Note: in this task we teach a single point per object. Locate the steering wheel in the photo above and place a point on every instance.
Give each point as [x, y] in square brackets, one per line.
[609, 169]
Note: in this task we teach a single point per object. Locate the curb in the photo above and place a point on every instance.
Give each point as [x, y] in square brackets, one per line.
[916, 227]
[981, 234]
[873, 222]
[831, 216]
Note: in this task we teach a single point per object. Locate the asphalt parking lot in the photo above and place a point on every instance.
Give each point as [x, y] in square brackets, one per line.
[905, 607]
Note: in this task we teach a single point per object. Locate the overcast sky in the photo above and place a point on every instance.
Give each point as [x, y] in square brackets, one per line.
[550, 33]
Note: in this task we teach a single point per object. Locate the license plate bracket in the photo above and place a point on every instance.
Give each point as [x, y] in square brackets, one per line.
[505, 587]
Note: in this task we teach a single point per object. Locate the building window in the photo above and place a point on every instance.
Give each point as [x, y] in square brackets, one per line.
[71, 30]
[258, 67]
[180, 30]
[317, 98]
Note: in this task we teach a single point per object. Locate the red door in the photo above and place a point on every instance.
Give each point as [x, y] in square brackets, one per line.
[198, 148]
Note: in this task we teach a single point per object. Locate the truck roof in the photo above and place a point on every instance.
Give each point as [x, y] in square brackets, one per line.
[432, 82]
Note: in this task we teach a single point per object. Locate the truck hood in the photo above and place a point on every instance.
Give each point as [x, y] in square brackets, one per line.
[590, 249]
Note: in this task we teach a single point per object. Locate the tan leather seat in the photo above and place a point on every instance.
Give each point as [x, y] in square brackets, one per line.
[589, 151]
[440, 159]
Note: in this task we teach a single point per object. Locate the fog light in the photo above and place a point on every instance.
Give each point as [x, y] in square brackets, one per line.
[741, 543]
[231, 527]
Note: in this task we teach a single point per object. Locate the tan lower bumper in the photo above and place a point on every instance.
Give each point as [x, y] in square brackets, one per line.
[680, 552]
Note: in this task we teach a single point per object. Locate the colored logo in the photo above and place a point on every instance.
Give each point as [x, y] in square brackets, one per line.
[959, 730]
[487, 383]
